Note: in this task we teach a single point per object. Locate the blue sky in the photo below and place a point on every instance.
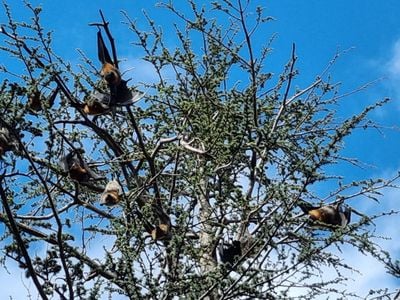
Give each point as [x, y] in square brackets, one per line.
[370, 28]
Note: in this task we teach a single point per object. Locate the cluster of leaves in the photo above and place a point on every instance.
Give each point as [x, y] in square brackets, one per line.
[213, 158]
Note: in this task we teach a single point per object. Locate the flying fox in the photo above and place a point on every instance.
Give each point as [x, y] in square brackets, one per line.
[7, 141]
[333, 214]
[120, 94]
[35, 99]
[161, 232]
[76, 167]
[97, 104]
[111, 194]
[229, 253]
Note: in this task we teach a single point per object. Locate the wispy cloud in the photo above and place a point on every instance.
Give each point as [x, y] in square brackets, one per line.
[393, 65]
[373, 274]
[142, 71]
[389, 66]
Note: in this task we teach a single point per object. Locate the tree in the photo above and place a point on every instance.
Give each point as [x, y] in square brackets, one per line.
[210, 180]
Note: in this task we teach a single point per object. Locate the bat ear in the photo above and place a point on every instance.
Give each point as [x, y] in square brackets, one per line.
[102, 51]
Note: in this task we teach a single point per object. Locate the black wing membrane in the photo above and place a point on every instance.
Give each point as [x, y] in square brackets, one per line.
[102, 51]
[306, 207]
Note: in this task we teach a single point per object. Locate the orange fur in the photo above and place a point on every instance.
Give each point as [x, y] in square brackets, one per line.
[316, 214]
[94, 108]
[78, 173]
[110, 74]
[160, 232]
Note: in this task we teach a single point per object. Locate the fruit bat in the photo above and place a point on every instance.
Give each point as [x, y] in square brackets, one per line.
[97, 104]
[229, 253]
[120, 94]
[76, 167]
[336, 215]
[35, 99]
[161, 232]
[7, 141]
[111, 194]
[108, 69]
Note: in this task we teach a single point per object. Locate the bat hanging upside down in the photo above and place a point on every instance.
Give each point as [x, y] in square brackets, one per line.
[111, 194]
[7, 141]
[229, 253]
[36, 98]
[76, 167]
[336, 214]
[120, 94]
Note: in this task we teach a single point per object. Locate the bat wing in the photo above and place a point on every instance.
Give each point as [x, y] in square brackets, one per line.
[345, 215]
[102, 51]
[130, 98]
[91, 173]
[306, 207]
[65, 162]
[53, 96]
[103, 98]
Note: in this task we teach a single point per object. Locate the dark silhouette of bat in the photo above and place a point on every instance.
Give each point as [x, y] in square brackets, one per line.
[35, 99]
[229, 253]
[74, 165]
[111, 194]
[336, 215]
[7, 141]
[161, 232]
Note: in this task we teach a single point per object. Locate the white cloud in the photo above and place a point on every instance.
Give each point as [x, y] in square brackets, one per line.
[142, 71]
[373, 274]
[393, 66]
[388, 66]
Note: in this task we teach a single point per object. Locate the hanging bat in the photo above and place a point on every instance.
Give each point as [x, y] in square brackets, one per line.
[336, 215]
[111, 194]
[7, 141]
[76, 167]
[108, 71]
[97, 104]
[120, 93]
[161, 232]
[35, 99]
[229, 253]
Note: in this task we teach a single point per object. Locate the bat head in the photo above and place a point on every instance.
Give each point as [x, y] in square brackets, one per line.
[78, 173]
[109, 198]
[95, 107]
[111, 74]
